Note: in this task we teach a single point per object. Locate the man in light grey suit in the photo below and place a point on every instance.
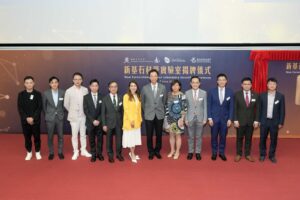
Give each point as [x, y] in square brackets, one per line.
[154, 97]
[53, 106]
[196, 116]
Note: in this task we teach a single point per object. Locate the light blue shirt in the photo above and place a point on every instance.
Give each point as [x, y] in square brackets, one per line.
[55, 96]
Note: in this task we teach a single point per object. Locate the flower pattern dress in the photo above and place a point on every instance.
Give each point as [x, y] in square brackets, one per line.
[176, 108]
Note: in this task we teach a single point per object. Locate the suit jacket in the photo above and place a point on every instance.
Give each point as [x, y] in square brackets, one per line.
[74, 102]
[49, 107]
[91, 112]
[199, 107]
[220, 112]
[111, 117]
[278, 109]
[132, 112]
[30, 105]
[243, 114]
[154, 106]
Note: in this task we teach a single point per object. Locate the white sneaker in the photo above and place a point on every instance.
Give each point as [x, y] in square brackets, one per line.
[75, 155]
[28, 156]
[86, 153]
[38, 156]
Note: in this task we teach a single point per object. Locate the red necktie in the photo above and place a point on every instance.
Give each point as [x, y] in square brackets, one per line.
[247, 99]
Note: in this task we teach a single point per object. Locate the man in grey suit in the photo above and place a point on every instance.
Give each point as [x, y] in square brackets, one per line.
[196, 116]
[154, 97]
[53, 106]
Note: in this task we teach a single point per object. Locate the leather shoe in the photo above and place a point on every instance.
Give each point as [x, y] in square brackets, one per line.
[273, 160]
[93, 159]
[237, 158]
[262, 158]
[151, 156]
[100, 157]
[198, 156]
[249, 158]
[157, 155]
[223, 157]
[190, 156]
[61, 156]
[111, 160]
[214, 157]
[120, 158]
[51, 156]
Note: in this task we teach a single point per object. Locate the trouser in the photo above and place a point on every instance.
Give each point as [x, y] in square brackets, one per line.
[265, 129]
[156, 124]
[218, 137]
[118, 139]
[195, 129]
[59, 125]
[78, 126]
[241, 133]
[96, 139]
[28, 132]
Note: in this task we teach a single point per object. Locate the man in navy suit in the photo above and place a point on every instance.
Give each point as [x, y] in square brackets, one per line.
[272, 113]
[220, 115]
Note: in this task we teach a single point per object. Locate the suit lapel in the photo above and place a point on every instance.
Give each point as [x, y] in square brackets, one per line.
[51, 97]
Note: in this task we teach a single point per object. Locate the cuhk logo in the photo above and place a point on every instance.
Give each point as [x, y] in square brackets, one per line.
[167, 60]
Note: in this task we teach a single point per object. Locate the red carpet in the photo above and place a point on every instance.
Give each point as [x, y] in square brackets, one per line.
[157, 179]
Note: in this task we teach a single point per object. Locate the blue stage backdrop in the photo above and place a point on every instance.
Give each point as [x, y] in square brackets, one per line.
[118, 65]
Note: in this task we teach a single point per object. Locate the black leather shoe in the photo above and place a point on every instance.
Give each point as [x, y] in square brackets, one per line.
[151, 156]
[273, 160]
[189, 156]
[262, 158]
[93, 159]
[51, 156]
[198, 156]
[100, 157]
[223, 157]
[61, 156]
[120, 158]
[111, 160]
[214, 157]
[157, 155]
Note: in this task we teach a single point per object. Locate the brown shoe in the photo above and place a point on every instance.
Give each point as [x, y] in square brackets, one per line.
[250, 158]
[237, 158]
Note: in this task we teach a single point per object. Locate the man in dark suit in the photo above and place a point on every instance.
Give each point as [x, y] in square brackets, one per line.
[53, 105]
[30, 108]
[112, 120]
[220, 115]
[246, 117]
[272, 114]
[92, 109]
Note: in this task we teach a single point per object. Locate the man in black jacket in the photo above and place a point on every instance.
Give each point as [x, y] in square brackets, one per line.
[112, 121]
[246, 117]
[30, 108]
[92, 109]
[272, 114]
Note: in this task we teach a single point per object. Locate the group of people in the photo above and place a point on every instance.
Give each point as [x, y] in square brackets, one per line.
[174, 111]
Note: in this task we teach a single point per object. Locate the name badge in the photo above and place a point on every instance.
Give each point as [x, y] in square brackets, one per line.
[276, 102]
[177, 101]
[253, 100]
[161, 95]
[61, 99]
[31, 97]
[100, 101]
[228, 98]
[201, 99]
[120, 103]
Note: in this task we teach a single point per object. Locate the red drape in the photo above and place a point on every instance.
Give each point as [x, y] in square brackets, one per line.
[261, 60]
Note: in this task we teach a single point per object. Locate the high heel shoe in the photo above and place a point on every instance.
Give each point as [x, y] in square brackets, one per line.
[176, 156]
[132, 159]
[170, 155]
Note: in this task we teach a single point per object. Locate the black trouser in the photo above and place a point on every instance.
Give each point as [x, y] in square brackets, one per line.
[118, 139]
[156, 124]
[264, 132]
[29, 131]
[95, 132]
[244, 132]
